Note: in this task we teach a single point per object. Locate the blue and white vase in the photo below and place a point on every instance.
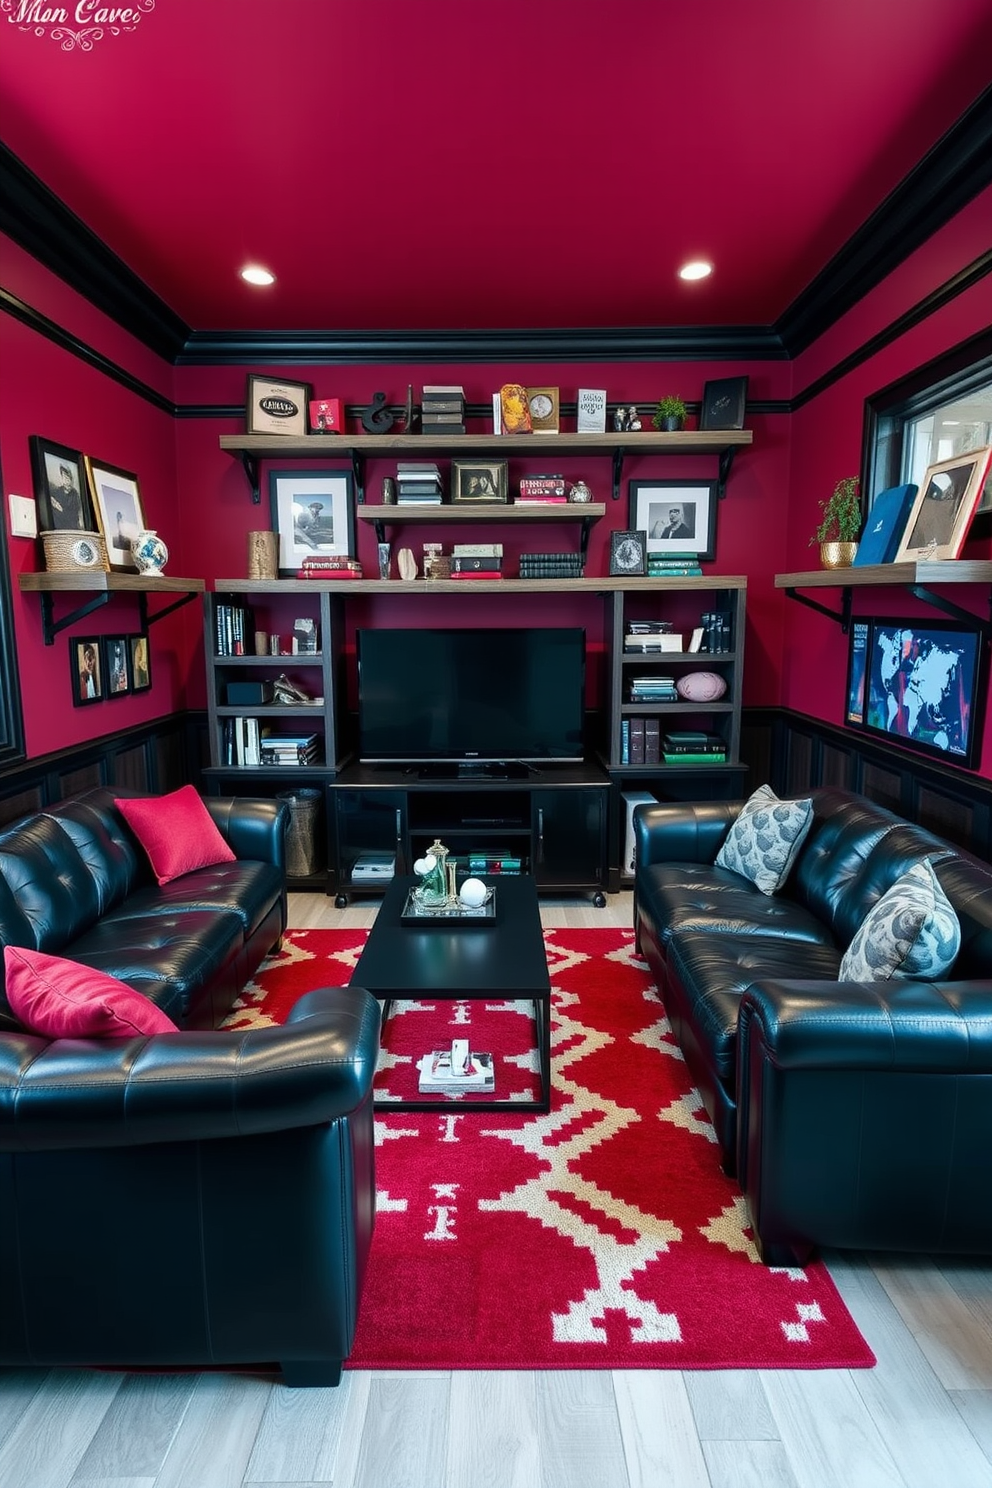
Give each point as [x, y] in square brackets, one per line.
[150, 554]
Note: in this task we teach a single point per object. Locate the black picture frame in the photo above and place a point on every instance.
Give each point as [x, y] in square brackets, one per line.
[276, 406]
[139, 662]
[313, 511]
[724, 403]
[86, 669]
[651, 505]
[939, 711]
[61, 491]
[116, 673]
[628, 554]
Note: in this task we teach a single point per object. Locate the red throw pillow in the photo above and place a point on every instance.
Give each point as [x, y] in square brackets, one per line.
[64, 999]
[177, 832]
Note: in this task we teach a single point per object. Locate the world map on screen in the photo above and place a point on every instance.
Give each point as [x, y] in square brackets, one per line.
[919, 686]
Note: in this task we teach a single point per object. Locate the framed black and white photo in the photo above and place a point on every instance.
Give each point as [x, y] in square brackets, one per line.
[115, 667]
[86, 667]
[724, 403]
[60, 489]
[474, 480]
[119, 513]
[276, 407]
[941, 514]
[139, 663]
[313, 513]
[628, 554]
[678, 516]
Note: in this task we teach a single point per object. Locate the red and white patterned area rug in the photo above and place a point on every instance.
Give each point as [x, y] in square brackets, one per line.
[603, 1235]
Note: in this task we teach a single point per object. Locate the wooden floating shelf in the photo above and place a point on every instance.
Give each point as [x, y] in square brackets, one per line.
[685, 442]
[472, 586]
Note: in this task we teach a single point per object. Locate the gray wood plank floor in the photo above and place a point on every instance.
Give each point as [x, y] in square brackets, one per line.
[923, 1417]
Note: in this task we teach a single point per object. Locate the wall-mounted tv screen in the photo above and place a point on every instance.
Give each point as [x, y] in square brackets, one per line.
[920, 683]
[462, 696]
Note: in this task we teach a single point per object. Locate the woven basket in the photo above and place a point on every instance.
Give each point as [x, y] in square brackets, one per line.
[59, 546]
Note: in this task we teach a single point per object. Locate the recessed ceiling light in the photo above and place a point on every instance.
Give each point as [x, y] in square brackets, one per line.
[697, 269]
[254, 274]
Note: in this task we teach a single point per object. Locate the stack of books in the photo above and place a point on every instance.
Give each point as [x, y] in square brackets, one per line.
[442, 410]
[477, 561]
[542, 490]
[290, 749]
[653, 689]
[550, 566]
[333, 566]
[234, 625]
[438, 1078]
[673, 565]
[652, 636]
[494, 862]
[418, 483]
[640, 741]
[717, 639]
[689, 747]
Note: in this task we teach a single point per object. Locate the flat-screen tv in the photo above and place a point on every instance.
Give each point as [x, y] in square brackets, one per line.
[920, 683]
[466, 697]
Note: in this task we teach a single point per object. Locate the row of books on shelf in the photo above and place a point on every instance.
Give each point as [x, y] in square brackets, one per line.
[245, 741]
[233, 625]
[673, 565]
[642, 742]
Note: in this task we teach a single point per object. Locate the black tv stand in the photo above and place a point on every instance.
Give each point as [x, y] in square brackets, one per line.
[476, 770]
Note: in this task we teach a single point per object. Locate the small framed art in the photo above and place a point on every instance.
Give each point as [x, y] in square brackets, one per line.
[139, 663]
[474, 481]
[119, 513]
[115, 667]
[86, 666]
[724, 403]
[940, 516]
[273, 407]
[678, 516]
[60, 488]
[628, 554]
[313, 513]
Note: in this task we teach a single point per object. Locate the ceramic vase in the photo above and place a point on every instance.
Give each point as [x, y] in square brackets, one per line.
[150, 554]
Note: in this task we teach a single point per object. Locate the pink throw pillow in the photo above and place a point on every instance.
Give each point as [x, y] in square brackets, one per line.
[64, 999]
[177, 832]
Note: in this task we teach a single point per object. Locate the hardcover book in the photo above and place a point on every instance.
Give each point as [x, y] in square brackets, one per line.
[515, 409]
[885, 525]
[591, 416]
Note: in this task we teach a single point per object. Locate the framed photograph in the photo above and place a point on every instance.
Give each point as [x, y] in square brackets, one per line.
[313, 513]
[919, 683]
[724, 403]
[678, 516]
[940, 516]
[115, 666]
[139, 663]
[273, 407]
[86, 666]
[472, 480]
[119, 513]
[60, 489]
[628, 554]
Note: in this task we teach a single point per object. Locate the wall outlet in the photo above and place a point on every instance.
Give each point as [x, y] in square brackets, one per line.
[23, 516]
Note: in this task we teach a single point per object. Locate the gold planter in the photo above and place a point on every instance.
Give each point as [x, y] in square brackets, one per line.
[837, 554]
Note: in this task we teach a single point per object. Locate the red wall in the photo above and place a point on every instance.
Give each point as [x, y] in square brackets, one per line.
[198, 499]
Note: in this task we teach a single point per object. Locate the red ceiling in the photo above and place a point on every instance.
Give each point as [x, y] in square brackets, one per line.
[461, 164]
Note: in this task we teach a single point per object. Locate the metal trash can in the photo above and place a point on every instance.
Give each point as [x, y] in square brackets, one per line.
[303, 856]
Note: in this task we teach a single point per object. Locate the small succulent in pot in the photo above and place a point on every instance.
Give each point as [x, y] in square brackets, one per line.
[670, 414]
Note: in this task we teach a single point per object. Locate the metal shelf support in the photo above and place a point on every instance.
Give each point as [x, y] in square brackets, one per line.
[842, 616]
[50, 627]
[148, 619]
[919, 591]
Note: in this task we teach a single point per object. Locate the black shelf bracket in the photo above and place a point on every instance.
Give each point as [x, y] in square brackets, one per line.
[842, 616]
[148, 619]
[379, 527]
[920, 591]
[587, 526]
[726, 461]
[50, 627]
[358, 474]
[617, 471]
[251, 465]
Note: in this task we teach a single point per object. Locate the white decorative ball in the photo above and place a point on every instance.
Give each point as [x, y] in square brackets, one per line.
[701, 687]
[473, 893]
[424, 865]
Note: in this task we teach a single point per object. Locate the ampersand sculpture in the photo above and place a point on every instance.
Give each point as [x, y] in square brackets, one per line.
[377, 418]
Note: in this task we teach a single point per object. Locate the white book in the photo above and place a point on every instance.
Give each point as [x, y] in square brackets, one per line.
[497, 414]
[591, 404]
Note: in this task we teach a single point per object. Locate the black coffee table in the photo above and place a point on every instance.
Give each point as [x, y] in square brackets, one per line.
[473, 961]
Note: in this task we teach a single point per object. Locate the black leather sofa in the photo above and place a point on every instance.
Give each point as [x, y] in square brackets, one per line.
[854, 1114]
[190, 1199]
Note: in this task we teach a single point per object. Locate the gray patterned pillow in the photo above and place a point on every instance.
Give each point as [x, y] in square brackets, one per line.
[912, 932]
[763, 842]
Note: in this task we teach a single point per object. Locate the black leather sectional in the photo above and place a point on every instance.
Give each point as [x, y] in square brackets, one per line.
[854, 1114]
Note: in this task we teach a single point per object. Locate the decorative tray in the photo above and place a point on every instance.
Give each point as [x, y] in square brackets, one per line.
[452, 913]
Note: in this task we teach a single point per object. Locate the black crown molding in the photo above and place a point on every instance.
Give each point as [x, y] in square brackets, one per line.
[954, 171]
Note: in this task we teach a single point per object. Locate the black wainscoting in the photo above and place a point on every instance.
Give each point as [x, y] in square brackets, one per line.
[794, 753]
[155, 757]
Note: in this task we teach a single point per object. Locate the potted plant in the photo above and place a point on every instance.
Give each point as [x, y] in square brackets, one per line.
[669, 414]
[838, 531]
